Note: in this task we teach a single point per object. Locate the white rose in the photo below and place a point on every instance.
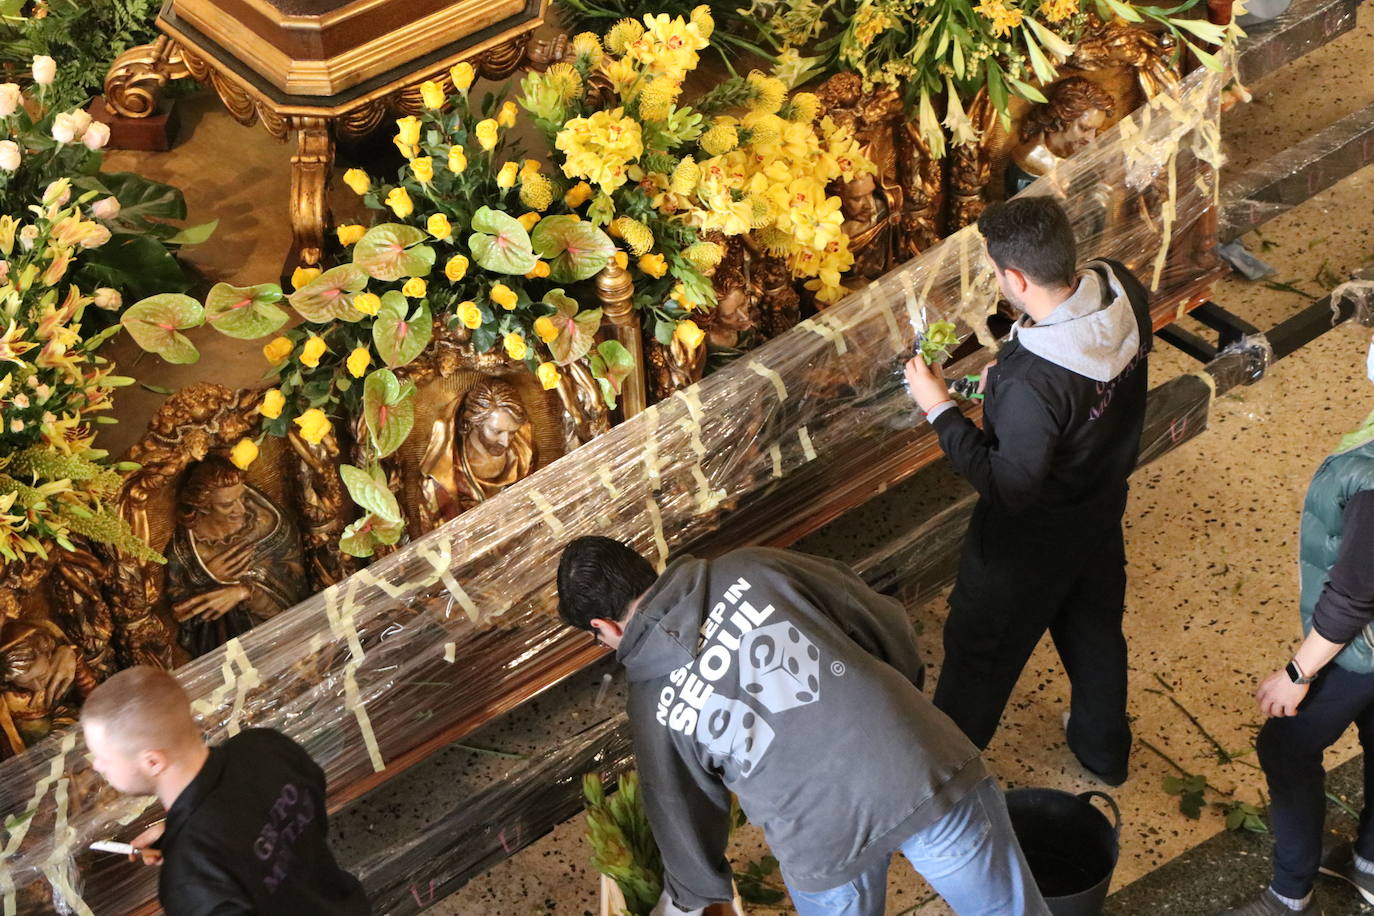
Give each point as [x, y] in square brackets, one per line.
[57, 193]
[96, 136]
[96, 237]
[108, 299]
[27, 236]
[9, 155]
[10, 99]
[66, 127]
[105, 208]
[44, 70]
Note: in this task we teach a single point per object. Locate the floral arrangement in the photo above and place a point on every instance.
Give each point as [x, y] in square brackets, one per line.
[477, 241]
[947, 51]
[54, 388]
[744, 158]
[42, 143]
[736, 33]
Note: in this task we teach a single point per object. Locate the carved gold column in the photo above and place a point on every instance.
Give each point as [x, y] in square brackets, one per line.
[310, 169]
[616, 291]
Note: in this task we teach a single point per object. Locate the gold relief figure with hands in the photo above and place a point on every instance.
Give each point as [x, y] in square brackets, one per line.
[482, 443]
[235, 561]
[40, 669]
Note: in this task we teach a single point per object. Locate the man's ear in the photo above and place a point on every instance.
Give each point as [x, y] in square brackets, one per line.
[153, 762]
[1017, 280]
[607, 627]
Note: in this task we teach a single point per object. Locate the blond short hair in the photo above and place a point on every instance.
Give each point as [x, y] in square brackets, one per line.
[144, 709]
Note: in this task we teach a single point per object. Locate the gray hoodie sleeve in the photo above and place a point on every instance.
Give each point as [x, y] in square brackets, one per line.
[689, 810]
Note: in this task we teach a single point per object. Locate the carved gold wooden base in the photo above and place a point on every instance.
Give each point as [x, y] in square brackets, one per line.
[138, 76]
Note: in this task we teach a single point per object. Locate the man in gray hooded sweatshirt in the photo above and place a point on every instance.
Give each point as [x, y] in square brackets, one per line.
[784, 679]
[1063, 409]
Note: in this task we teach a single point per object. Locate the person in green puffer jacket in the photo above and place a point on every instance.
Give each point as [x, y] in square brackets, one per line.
[1327, 686]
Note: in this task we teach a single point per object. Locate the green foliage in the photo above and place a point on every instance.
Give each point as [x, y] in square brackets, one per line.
[622, 842]
[754, 884]
[1244, 816]
[938, 341]
[1189, 790]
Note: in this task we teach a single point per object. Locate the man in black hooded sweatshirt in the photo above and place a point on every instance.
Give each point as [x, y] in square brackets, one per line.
[1063, 409]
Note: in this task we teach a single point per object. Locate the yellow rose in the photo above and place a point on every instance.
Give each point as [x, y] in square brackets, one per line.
[515, 346]
[578, 194]
[399, 202]
[539, 271]
[272, 403]
[415, 288]
[358, 361]
[689, 334]
[357, 181]
[548, 375]
[504, 296]
[314, 425]
[349, 234]
[545, 329]
[408, 130]
[622, 260]
[456, 268]
[244, 453]
[470, 315]
[530, 167]
[462, 75]
[506, 177]
[303, 275]
[422, 167]
[654, 265]
[438, 226]
[312, 351]
[278, 350]
[506, 116]
[528, 220]
[367, 303]
[487, 133]
[457, 160]
[432, 94]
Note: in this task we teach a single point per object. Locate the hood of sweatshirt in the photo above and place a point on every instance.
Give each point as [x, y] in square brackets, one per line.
[1093, 332]
[662, 635]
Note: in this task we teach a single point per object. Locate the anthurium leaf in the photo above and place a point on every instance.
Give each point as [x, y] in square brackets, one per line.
[369, 491]
[391, 251]
[399, 335]
[245, 312]
[574, 249]
[330, 295]
[388, 410]
[611, 364]
[576, 330]
[156, 323]
[194, 235]
[361, 538]
[499, 243]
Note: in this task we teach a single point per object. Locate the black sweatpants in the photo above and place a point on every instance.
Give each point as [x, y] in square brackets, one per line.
[1012, 587]
[1290, 750]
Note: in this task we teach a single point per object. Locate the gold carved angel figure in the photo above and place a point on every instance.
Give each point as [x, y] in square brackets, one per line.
[235, 559]
[1075, 112]
[481, 443]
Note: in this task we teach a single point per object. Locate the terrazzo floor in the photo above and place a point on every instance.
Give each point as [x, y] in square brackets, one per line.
[1211, 527]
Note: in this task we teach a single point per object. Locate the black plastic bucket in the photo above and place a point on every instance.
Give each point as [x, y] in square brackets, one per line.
[1069, 844]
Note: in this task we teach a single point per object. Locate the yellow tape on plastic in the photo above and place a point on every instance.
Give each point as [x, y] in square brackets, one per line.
[760, 369]
[367, 578]
[24, 822]
[1167, 221]
[871, 302]
[440, 558]
[808, 449]
[818, 327]
[603, 474]
[56, 868]
[918, 320]
[342, 625]
[913, 305]
[775, 452]
[238, 684]
[546, 509]
[964, 238]
[660, 541]
[651, 465]
[450, 652]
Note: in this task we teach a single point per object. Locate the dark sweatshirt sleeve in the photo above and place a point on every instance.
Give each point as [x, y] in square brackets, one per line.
[689, 811]
[877, 623]
[1346, 604]
[1011, 469]
[194, 883]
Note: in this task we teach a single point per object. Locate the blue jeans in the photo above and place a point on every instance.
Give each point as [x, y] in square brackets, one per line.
[970, 856]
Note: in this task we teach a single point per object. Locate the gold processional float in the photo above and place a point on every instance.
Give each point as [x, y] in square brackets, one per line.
[372, 667]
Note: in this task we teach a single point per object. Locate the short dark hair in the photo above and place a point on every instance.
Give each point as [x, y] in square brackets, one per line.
[1032, 235]
[600, 578]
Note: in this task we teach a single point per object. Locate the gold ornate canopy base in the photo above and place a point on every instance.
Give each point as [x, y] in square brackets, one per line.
[137, 77]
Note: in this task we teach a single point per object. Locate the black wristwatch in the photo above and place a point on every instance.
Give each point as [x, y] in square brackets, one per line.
[1295, 674]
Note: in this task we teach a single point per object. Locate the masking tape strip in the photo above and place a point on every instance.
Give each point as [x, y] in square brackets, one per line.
[808, 449]
[367, 578]
[707, 498]
[913, 306]
[889, 317]
[450, 652]
[21, 829]
[651, 466]
[660, 541]
[353, 701]
[775, 451]
[56, 867]
[603, 473]
[821, 329]
[546, 509]
[440, 557]
[247, 679]
[342, 624]
[917, 318]
[134, 815]
[760, 369]
[1167, 218]
[964, 238]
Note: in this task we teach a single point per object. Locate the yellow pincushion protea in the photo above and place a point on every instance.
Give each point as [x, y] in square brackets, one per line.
[720, 139]
[536, 191]
[637, 236]
[622, 34]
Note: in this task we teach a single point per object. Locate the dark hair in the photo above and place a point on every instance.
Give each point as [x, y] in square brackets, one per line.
[1032, 235]
[600, 578]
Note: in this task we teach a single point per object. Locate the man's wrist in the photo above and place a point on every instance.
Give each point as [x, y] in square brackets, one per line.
[939, 408]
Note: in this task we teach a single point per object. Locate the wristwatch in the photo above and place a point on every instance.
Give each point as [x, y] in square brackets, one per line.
[1295, 674]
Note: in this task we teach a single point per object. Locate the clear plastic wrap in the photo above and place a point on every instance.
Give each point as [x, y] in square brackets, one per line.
[452, 630]
[1360, 295]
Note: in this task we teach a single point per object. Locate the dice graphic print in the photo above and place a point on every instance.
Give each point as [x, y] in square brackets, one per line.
[729, 728]
[779, 667]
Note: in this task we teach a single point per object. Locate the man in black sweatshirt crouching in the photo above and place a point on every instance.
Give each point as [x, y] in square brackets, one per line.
[1063, 409]
[784, 679]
